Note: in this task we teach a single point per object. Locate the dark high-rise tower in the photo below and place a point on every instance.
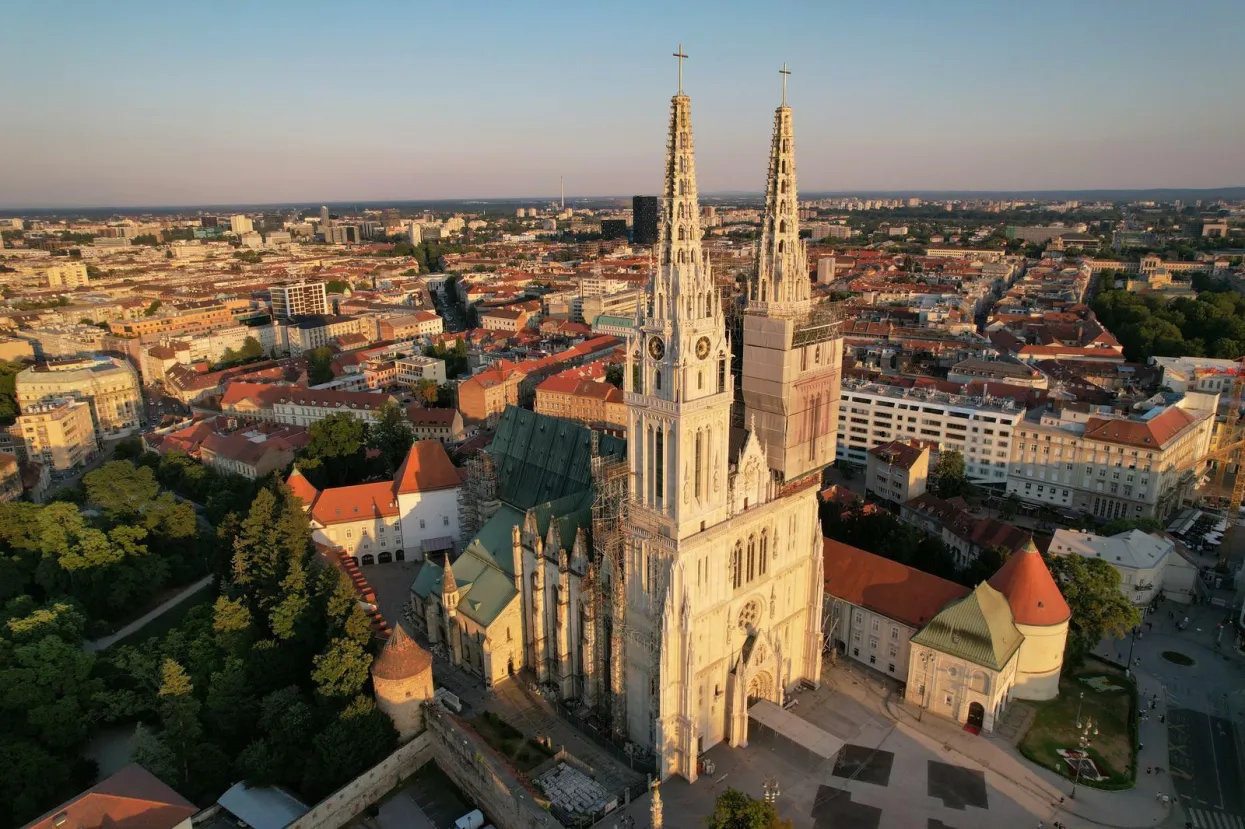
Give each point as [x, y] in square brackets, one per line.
[644, 220]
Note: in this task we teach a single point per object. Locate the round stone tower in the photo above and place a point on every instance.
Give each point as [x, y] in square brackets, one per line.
[1041, 615]
[402, 679]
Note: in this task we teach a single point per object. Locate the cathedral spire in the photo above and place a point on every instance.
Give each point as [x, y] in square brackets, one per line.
[679, 226]
[781, 282]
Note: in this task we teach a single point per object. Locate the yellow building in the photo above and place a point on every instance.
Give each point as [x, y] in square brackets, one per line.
[584, 397]
[180, 323]
[109, 385]
[68, 275]
[59, 434]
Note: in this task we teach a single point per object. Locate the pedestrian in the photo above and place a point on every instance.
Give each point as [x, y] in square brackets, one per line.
[1137, 661]
[1149, 625]
[1152, 704]
[1149, 770]
[1162, 718]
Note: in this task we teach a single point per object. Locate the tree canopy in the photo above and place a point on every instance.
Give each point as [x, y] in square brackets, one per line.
[1212, 325]
[1091, 587]
[948, 479]
[735, 810]
[319, 365]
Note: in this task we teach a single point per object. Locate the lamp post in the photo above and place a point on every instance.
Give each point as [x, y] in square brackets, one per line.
[926, 658]
[1080, 702]
[770, 788]
[1086, 730]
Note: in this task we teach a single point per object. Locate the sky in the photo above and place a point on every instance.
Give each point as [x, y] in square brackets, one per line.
[146, 103]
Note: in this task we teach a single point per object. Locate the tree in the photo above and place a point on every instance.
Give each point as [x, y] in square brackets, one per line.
[179, 714]
[121, 489]
[146, 239]
[948, 479]
[391, 435]
[334, 454]
[614, 375]
[735, 810]
[152, 308]
[1123, 525]
[426, 392]
[319, 365]
[8, 392]
[986, 565]
[337, 286]
[360, 737]
[1091, 587]
[342, 670]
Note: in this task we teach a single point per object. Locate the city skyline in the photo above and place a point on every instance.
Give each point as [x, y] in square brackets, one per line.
[183, 106]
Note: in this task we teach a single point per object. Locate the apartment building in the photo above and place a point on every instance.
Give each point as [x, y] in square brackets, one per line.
[583, 395]
[897, 471]
[981, 428]
[189, 322]
[59, 434]
[410, 326]
[110, 386]
[299, 406]
[68, 275]
[417, 368]
[588, 307]
[488, 393]
[504, 319]
[445, 425]
[299, 299]
[309, 333]
[1079, 458]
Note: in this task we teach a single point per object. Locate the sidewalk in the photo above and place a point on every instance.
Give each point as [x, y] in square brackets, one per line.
[103, 642]
[1031, 784]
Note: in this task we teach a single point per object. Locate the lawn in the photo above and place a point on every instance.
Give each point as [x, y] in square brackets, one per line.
[1110, 701]
[523, 754]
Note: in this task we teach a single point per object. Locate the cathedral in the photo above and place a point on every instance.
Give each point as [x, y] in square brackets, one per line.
[722, 570]
[668, 582]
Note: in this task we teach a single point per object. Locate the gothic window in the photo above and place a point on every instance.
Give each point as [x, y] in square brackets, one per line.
[782, 188]
[737, 565]
[784, 165]
[708, 304]
[749, 615]
[817, 354]
[752, 557]
[659, 456]
[698, 462]
[782, 226]
[781, 245]
[661, 306]
[657, 380]
[682, 233]
[763, 284]
[682, 256]
[681, 211]
[721, 375]
[803, 359]
[700, 380]
[764, 552]
[636, 374]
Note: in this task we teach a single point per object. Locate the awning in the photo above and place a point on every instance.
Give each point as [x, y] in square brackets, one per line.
[433, 545]
[799, 731]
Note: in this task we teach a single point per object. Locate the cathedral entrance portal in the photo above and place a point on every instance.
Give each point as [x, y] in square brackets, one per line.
[761, 686]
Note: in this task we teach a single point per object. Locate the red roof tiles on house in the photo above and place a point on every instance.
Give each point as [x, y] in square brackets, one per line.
[133, 798]
[895, 590]
[341, 504]
[1148, 434]
[427, 467]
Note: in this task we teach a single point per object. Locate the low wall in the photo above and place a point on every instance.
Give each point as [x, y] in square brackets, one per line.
[485, 778]
[352, 799]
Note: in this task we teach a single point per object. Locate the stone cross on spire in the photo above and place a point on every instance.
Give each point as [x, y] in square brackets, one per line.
[682, 57]
[785, 72]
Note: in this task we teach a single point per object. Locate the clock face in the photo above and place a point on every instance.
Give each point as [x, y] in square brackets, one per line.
[656, 348]
[702, 347]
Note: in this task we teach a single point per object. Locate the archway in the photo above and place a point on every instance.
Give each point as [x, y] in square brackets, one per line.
[976, 715]
[400, 555]
[368, 558]
[761, 686]
[385, 557]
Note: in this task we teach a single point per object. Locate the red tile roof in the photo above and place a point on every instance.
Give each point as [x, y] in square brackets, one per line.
[1149, 434]
[426, 468]
[301, 487]
[133, 798]
[1031, 590]
[897, 453]
[342, 504]
[895, 590]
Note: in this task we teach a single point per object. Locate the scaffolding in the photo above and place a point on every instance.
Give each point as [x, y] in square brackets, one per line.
[478, 501]
[610, 487]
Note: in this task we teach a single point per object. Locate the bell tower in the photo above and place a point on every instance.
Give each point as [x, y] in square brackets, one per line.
[793, 350]
[678, 383]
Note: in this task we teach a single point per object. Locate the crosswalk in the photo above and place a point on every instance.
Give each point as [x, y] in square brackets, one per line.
[1207, 819]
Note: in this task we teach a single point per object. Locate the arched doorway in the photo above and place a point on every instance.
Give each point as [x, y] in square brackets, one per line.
[368, 558]
[385, 557]
[976, 715]
[400, 555]
[761, 686]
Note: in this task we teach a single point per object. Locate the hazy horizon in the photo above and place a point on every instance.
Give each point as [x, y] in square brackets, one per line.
[147, 104]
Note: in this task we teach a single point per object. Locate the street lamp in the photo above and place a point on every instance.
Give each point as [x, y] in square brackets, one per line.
[926, 658]
[1086, 730]
[770, 787]
[1080, 702]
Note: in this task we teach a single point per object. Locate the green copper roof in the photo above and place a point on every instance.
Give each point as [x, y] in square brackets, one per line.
[978, 628]
[616, 322]
[541, 458]
[484, 590]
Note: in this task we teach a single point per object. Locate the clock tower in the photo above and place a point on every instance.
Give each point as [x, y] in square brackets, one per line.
[678, 383]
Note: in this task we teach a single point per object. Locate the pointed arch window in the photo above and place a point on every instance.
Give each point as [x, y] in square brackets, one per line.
[697, 470]
[700, 385]
[752, 557]
[782, 226]
[782, 188]
[737, 565]
[682, 233]
[764, 551]
[657, 380]
[721, 375]
[782, 245]
[637, 384]
[659, 460]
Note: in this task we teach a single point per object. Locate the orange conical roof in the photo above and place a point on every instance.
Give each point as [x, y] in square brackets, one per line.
[1030, 589]
[302, 488]
[401, 658]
